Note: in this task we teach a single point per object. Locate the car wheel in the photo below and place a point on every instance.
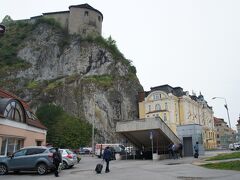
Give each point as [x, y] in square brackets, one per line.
[65, 165]
[42, 169]
[3, 169]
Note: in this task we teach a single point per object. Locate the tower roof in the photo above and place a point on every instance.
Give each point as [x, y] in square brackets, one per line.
[86, 6]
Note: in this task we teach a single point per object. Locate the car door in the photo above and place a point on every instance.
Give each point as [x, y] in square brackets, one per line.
[32, 156]
[17, 160]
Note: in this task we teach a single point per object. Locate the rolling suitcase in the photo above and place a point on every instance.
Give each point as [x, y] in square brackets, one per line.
[195, 155]
[99, 168]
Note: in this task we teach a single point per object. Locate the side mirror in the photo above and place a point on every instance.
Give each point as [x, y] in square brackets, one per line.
[10, 156]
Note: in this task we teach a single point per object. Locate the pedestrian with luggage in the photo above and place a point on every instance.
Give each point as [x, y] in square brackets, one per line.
[107, 154]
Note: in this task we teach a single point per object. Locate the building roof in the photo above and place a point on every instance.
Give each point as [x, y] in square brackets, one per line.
[219, 120]
[177, 91]
[86, 6]
[57, 12]
[31, 122]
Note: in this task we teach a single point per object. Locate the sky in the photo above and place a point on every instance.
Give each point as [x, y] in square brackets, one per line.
[188, 43]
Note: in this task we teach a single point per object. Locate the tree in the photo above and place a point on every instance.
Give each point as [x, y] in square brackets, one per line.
[7, 20]
[64, 130]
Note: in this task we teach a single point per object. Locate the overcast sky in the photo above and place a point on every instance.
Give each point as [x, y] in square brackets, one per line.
[192, 44]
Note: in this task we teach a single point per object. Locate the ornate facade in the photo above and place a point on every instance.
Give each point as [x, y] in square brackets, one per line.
[177, 108]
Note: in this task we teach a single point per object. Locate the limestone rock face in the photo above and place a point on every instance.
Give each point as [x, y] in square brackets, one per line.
[85, 77]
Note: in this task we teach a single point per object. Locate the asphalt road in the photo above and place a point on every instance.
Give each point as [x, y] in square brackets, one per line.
[135, 170]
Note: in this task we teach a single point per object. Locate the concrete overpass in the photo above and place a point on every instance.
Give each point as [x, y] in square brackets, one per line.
[138, 132]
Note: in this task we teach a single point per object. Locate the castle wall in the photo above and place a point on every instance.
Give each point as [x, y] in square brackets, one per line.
[84, 21]
[62, 18]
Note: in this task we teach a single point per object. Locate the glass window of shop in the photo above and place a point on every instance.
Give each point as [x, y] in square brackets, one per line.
[10, 145]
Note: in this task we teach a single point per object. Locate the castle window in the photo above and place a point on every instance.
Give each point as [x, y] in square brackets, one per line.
[86, 13]
[99, 18]
[84, 31]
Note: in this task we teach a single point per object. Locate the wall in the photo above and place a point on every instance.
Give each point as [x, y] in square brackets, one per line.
[194, 131]
[28, 133]
[62, 18]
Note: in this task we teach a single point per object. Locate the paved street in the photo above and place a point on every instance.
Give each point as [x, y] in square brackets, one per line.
[136, 170]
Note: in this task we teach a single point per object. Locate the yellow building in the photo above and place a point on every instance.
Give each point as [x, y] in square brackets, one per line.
[177, 108]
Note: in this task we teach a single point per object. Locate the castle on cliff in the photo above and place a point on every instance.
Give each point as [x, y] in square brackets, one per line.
[81, 19]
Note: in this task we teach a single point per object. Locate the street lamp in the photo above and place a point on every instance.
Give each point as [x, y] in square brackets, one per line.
[226, 106]
[93, 126]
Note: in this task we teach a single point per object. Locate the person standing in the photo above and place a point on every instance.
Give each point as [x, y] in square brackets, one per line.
[57, 159]
[107, 157]
[196, 149]
[180, 148]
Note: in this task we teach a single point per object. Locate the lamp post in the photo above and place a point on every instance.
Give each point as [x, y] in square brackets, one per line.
[93, 126]
[226, 106]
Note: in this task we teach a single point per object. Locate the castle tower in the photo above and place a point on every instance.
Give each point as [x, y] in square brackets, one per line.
[84, 20]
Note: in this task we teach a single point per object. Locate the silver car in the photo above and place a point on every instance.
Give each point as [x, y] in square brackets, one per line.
[69, 159]
[34, 158]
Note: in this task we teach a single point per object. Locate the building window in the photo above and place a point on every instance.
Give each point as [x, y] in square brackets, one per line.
[165, 117]
[149, 108]
[157, 107]
[10, 145]
[84, 31]
[14, 111]
[38, 143]
[99, 18]
[166, 105]
[86, 13]
[156, 97]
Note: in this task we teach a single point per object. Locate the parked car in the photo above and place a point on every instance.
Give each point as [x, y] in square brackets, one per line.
[34, 158]
[234, 146]
[69, 158]
[84, 151]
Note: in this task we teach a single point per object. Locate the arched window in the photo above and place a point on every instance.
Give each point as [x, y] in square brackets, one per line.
[14, 111]
[157, 107]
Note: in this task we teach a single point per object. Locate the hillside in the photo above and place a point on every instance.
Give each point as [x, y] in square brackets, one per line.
[88, 77]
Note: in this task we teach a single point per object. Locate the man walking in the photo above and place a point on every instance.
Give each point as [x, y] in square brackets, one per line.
[107, 157]
[196, 149]
[57, 159]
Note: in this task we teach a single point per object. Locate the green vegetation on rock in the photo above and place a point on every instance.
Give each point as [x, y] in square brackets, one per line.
[16, 32]
[104, 81]
[64, 130]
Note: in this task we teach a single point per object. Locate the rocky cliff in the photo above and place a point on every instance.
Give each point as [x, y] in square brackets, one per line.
[88, 77]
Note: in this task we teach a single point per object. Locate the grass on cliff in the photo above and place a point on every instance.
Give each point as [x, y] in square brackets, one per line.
[230, 165]
[104, 81]
[224, 156]
[10, 43]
